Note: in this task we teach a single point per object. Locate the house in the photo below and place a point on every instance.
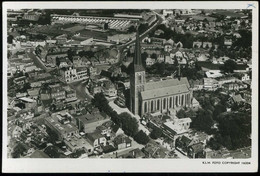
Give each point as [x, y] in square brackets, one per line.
[33, 92]
[197, 84]
[28, 102]
[17, 132]
[213, 74]
[220, 60]
[182, 143]
[105, 128]
[196, 151]
[20, 80]
[234, 86]
[225, 80]
[51, 57]
[39, 154]
[73, 74]
[210, 83]
[167, 12]
[116, 131]
[122, 142]
[168, 60]
[207, 45]
[135, 153]
[149, 61]
[228, 41]
[237, 99]
[197, 44]
[77, 142]
[77, 61]
[155, 151]
[89, 122]
[63, 124]
[96, 139]
[109, 89]
[178, 126]
[168, 47]
[160, 58]
[61, 39]
[247, 96]
[57, 92]
[245, 77]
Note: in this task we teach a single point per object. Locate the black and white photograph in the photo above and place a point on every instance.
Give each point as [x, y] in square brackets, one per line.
[116, 83]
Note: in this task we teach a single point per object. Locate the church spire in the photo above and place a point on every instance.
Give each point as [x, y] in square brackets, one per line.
[137, 57]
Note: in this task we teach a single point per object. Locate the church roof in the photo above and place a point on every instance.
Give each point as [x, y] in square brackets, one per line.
[166, 83]
[165, 91]
[165, 88]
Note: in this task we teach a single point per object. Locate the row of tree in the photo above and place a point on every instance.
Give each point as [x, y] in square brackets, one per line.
[124, 120]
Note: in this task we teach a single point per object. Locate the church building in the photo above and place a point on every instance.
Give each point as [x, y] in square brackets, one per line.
[160, 96]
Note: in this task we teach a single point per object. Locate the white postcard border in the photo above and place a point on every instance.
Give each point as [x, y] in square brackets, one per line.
[134, 165]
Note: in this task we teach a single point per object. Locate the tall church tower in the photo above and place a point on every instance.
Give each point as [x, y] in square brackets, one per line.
[137, 79]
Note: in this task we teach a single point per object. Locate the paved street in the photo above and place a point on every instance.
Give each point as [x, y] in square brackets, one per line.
[37, 61]
[81, 91]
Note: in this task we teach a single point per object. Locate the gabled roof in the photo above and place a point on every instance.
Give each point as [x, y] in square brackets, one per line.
[161, 92]
[122, 139]
[165, 88]
[93, 136]
[237, 98]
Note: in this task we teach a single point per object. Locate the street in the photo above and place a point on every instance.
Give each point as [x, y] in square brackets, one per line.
[121, 110]
[81, 91]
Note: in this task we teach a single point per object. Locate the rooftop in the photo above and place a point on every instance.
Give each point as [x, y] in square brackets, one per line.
[55, 119]
[90, 118]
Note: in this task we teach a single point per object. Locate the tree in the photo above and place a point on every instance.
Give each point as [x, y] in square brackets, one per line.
[128, 123]
[203, 121]
[131, 29]
[144, 57]
[218, 110]
[141, 138]
[18, 150]
[143, 27]
[156, 133]
[181, 114]
[214, 144]
[235, 129]
[101, 103]
[229, 66]
[10, 39]
[154, 56]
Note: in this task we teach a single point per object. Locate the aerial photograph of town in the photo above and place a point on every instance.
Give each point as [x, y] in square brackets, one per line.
[129, 83]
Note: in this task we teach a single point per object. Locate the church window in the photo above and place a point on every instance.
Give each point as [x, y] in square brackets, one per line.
[158, 104]
[164, 103]
[140, 78]
[170, 102]
[152, 105]
[176, 101]
[182, 100]
[145, 107]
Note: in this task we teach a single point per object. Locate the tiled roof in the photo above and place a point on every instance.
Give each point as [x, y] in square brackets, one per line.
[166, 83]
